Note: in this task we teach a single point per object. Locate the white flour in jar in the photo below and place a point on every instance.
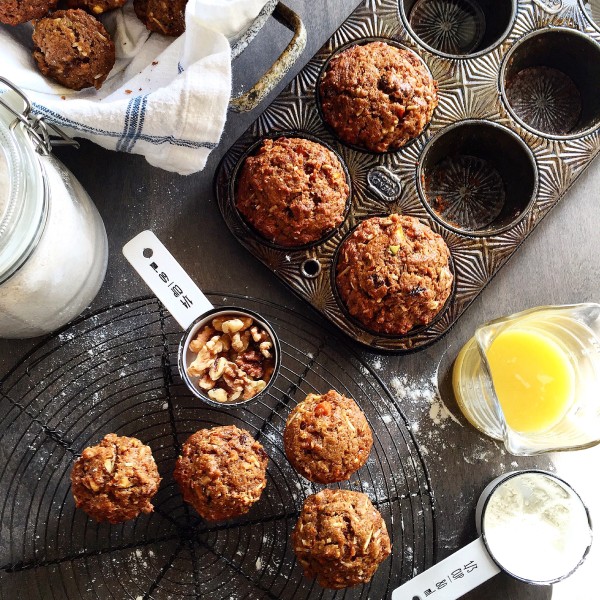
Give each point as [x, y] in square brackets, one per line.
[536, 528]
[64, 272]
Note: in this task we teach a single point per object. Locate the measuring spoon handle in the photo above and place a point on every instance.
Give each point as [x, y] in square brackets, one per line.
[166, 278]
[451, 578]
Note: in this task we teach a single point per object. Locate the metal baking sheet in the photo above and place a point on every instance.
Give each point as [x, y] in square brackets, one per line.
[471, 88]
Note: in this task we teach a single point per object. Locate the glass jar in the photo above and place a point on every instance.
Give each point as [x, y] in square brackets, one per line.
[53, 246]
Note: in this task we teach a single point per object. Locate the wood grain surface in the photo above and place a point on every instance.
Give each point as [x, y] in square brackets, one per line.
[558, 264]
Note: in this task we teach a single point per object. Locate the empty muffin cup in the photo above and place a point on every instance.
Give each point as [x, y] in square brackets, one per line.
[456, 28]
[477, 177]
[227, 355]
[550, 83]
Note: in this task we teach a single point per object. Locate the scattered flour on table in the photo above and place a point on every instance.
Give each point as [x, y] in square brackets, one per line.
[423, 390]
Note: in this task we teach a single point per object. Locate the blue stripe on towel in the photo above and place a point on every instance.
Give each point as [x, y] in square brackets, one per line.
[157, 140]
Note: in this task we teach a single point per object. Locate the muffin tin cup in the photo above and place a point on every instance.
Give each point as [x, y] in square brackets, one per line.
[330, 129]
[185, 356]
[458, 28]
[415, 331]
[235, 175]
[550, 81]
[525, 172]
[483, 175]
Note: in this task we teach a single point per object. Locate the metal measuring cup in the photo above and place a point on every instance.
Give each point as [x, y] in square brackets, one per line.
[477, 562]
[189, 307]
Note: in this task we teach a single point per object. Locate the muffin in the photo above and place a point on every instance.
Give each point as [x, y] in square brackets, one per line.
[221, 472]
[96, 7]
[393, 273]
[163, 17]
[73, 48]
[340, 538]
[292, 191]
[13, 12]
[327, 438]
[377, 96]
[115, 480]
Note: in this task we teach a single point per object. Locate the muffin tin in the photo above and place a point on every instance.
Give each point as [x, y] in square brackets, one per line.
[517, 122]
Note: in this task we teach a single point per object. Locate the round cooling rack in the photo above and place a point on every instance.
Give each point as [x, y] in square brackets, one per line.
[116, 371]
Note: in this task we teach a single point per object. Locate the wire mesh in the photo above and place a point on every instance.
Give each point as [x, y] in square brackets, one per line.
[116, 371]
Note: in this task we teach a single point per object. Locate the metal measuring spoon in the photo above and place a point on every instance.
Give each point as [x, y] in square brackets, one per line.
[505, 542]
[189, 307]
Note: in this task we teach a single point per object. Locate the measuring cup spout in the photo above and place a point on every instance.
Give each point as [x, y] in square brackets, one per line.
[166, 278]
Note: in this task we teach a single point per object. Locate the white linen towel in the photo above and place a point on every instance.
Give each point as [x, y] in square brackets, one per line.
[165, 98]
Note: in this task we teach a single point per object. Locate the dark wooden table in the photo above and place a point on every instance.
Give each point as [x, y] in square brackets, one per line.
[557, 265]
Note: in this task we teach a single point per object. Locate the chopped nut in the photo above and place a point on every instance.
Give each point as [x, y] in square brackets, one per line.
[207, 383]
[109, 464]
[232, 326]
[264, 348]
[218, 395]
[217, 368]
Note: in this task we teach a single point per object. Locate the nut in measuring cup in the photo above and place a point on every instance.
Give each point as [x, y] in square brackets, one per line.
[226, 355]
[229, 356]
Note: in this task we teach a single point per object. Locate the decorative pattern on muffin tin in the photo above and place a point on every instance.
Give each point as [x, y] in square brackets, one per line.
[470, 88]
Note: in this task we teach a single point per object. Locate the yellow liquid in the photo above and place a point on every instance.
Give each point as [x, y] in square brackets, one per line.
[533, 379]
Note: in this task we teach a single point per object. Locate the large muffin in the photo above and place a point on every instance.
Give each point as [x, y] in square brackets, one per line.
[327, 438]
[13, 12]
[377, 96]
[292, 191]
[393, 273]
[163, 17]
[340, 538]
[115, 480]
[96, 7]
[73, 48]
[221, 472]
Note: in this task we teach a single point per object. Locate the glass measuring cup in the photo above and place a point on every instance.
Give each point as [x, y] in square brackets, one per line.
[532, 525]
[190, 308]
[575, 331]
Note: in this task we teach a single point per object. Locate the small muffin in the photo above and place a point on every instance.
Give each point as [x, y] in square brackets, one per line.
[293, 191]
[115, 480]
[221, 472]
[96, 7]
[377, 96]
[340, 538]
[74, 49]
[163, 17]
[393, 273]
[327, 438]
[13, 12]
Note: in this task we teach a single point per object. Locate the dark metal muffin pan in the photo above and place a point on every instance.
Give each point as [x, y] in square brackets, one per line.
[479, 129]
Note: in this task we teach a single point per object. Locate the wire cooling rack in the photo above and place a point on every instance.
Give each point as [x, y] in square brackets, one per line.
[116, 371]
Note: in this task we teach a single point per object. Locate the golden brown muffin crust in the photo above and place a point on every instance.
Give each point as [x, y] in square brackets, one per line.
[340, 538]
[393, 273]
[221, 472]
[115, 480]
[327, 438]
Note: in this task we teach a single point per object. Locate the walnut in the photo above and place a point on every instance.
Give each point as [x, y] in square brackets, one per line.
[234, 358]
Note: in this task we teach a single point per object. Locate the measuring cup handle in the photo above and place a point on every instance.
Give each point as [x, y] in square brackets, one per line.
[166, 278]
[453, 577]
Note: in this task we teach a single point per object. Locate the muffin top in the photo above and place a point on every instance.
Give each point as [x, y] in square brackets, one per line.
[293, 191]
[340, 538]
[393, 273]
[73, 48]
[327, 438]
[13, 12]
[377, 96]
[115, 480]
[221, 472]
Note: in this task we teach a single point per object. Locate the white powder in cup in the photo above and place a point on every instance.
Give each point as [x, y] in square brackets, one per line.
[536, 527]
